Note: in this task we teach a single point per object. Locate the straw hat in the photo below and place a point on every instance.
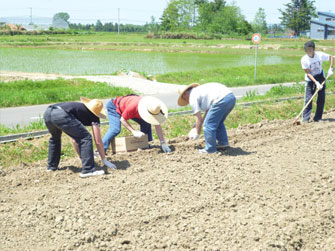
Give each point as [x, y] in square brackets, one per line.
[181, 91]
[152, 110]
[95, 106]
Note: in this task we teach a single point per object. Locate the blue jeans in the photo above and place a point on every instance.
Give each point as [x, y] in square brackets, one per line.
[57, 121]
[115, 125]
[214, 128]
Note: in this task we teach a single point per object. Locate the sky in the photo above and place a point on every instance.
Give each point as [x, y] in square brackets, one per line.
[132, 11]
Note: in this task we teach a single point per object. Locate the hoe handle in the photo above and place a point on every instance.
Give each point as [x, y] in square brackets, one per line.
[311, 99]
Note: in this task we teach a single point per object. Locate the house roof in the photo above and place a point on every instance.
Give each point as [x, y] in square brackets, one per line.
[330, 24]
[325, 13]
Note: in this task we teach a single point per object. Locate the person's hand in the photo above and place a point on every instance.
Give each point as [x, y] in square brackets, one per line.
[318, 85]
[165, 148]
[108, 164]
[138, 134]
[330, 72]
[193, 135]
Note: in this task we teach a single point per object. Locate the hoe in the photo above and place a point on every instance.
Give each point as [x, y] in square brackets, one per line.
[296, 122]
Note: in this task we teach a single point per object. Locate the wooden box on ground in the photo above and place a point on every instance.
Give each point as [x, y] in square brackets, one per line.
[129, 143]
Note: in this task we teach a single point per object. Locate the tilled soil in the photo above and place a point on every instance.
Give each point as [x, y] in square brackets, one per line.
[274, 189]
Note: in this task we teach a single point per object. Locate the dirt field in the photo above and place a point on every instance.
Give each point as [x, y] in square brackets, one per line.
[273, 190]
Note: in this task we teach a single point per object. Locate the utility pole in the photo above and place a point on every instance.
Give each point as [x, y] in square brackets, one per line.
[31, 16]
[118, 21]
[194, 15]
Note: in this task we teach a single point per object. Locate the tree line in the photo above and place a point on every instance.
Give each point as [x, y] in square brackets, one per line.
[211, 17]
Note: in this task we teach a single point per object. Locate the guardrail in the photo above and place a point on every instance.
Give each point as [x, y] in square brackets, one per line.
[30, 135]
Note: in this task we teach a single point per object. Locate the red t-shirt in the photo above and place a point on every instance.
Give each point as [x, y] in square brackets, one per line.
[128, 106]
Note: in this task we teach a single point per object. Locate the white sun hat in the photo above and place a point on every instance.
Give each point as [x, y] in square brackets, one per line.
[152, 110]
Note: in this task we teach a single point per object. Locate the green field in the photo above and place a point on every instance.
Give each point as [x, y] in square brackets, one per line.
[108, 53]
[135, 39]
[89, 62]
[180, 61]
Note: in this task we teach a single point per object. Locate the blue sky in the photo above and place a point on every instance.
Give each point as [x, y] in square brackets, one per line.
[132, 11]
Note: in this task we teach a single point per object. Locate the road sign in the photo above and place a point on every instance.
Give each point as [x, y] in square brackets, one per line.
[256, 38]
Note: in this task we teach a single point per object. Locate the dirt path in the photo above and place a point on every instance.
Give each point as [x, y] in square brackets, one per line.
[273, 190]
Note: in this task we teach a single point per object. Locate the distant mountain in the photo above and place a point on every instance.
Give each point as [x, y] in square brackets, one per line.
[26, 20]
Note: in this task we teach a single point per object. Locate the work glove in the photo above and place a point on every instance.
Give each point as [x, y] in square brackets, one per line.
[330, 72]
[108, 164]
[318, 85]
[138, 134]
[165, 148]
[193, 135]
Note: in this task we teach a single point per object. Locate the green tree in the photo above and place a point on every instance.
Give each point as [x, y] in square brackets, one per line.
[298, 14]
[61, 16]
[178, 15]
[217, 17]
[169, 19]
[99, 26]
[208, 12]
[259, 24]
[275, 28]
[153, 26]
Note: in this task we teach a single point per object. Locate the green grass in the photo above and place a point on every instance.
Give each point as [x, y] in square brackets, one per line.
[136, 38]
[272, 95]
[28, 92]
[33, 126]
[239, 76]
[281, 91]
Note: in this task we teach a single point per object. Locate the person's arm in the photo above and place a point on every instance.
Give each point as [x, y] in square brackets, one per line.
[137, 134]
[308, 72]
[159, 132]
[195, 132]
[126, 125]
[160, 135]
[204, 117]
[75, 145]
[199, 121]
[100, 146]
[98, 140]
[331, 67]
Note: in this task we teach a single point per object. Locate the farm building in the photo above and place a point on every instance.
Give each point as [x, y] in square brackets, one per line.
[324, 26]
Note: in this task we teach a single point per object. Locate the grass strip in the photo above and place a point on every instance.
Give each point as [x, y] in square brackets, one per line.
[239, 76]
[282, 91]
[28, 92]
[271, 96]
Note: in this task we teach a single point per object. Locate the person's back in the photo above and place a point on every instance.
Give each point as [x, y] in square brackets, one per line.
[202, 97]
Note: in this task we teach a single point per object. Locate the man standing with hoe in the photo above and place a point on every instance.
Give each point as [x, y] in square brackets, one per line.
[312, 64]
